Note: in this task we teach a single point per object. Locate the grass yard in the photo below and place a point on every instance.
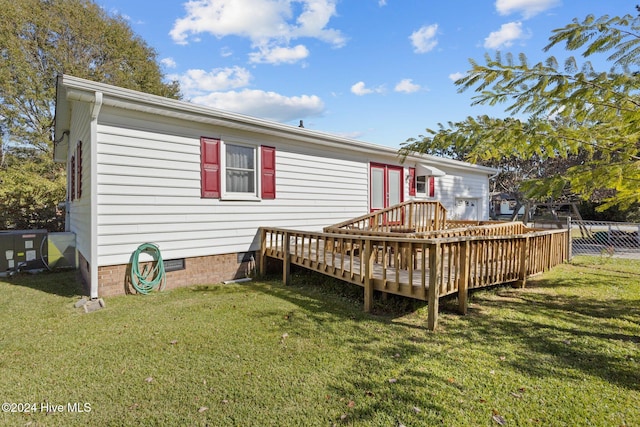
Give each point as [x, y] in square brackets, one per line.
[565, 351]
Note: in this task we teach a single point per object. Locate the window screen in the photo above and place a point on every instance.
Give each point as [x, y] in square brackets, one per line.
[240, 169]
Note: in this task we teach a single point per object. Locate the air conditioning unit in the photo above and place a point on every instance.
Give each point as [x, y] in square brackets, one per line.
[22, 250]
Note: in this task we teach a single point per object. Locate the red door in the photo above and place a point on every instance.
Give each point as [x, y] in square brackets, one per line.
[386, 186]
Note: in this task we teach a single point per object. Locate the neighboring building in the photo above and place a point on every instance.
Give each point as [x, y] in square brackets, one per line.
[504, 205]
[199, 182]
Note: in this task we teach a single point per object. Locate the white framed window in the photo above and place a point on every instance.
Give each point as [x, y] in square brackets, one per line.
[240, 176]
[425, 186]
[421, 184]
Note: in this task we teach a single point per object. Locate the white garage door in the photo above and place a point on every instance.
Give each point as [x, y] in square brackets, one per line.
[467, 209]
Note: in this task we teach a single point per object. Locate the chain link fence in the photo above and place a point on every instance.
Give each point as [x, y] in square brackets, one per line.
[620, 239]
[605, 238]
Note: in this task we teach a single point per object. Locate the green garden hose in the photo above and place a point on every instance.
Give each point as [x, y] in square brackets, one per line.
[152, 275]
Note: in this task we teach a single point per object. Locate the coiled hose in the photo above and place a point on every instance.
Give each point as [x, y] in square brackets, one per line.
[152, 275]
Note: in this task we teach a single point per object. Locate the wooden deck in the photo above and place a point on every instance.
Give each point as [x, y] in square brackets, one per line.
[425, 265]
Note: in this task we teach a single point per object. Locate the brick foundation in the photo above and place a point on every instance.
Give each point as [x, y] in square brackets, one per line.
[114, 279]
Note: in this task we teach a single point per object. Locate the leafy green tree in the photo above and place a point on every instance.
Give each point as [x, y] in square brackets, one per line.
[30, 192]
[586, 121]
[40, 39]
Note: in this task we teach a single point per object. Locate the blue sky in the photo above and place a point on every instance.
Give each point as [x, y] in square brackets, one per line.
[376, 70]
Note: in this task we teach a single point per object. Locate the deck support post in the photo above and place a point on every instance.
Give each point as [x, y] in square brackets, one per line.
[570, 243]
[286, 259]
[368, 276]
[463, 279]
[524, 262]
[262, 266]
[434, 286]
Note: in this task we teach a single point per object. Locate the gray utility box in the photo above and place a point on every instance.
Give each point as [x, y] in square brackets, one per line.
[22, 250]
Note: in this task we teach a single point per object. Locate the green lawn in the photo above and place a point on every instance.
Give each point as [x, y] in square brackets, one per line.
[565, 351]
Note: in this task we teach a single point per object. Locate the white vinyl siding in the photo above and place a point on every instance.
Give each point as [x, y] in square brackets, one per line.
[458, 184]
[80, 209]
[149, 191]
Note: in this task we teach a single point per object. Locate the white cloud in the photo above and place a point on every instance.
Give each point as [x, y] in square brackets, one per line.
[528, 8]
[267, 23]
[312, 22]
[424, 39]
[382, 3]
[456, 76]
[279, 55]
[505, 36]
[200, 82]
[267, 105]
[256, 19]
[214, 89]
[168, 62]
[407, 86]
[361, 89]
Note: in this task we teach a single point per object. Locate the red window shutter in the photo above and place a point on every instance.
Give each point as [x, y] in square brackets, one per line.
[79, 167]
[268, 172]
[432, 186]
[210, 168]
[412, 181]
[72, 190]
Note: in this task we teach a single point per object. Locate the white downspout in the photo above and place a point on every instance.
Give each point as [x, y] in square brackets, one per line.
[95, 111]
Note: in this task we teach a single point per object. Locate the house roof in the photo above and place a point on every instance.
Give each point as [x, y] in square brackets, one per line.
[70, 88]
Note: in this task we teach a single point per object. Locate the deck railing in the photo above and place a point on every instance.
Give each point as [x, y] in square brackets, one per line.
[459, 223]
[478, 228]
[412, 216]
[421, 219]
[419, 267]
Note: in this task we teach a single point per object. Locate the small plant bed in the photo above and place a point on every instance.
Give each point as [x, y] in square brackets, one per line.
[564, 351]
